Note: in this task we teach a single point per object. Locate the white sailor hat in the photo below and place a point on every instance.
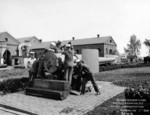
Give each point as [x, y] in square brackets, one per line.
[77, 60]
[53, 44]
[68, 46]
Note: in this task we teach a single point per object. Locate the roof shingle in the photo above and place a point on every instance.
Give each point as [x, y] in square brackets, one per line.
[41, 45]
[21, 40]
[95, 40]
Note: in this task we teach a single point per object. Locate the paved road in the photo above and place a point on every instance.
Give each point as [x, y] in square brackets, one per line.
[73, 105]
[4, 111]
[7, 68]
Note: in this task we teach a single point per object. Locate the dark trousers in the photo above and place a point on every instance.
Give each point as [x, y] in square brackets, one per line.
[41, 73]
[32, 76]
[68, 70]
[86, 78]
[76, 83]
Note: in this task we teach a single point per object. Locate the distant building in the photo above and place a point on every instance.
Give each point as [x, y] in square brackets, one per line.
[31, 40]
[26, 43]
[132, 58]
[105, 45]
[18, 48]
[8, 48]
[38, 48]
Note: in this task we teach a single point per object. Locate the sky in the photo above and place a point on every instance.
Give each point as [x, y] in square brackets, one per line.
[51, 20]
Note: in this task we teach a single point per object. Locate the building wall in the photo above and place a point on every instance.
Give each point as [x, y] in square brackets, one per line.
[12, 49]
[108, 49]
[101, 47]
[8, 47]
[38, 52]
[34, 40]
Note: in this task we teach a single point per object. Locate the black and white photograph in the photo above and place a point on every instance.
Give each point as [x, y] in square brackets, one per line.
[74, 57]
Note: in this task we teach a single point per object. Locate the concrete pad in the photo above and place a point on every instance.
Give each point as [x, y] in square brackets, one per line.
[73, 105]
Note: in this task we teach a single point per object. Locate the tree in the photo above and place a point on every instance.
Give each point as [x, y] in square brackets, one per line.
[133, 47]
[115, 52]
[147, 43]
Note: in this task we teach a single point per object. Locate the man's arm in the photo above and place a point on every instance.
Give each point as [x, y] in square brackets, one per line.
[86, 68]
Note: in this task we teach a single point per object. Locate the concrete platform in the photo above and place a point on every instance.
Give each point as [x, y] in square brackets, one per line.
[73, 105]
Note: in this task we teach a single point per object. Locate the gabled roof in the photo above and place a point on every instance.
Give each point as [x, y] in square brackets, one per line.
[3, 34]
[131, 56]
[41, 45]
[86, 41]
[25, 39]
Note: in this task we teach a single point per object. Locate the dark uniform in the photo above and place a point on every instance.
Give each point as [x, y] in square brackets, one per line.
[87, 75]
[76, 79]
[41, 73]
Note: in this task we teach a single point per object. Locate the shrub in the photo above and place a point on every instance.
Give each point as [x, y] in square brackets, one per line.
[13, 85]
[138, 96]
[121, 66]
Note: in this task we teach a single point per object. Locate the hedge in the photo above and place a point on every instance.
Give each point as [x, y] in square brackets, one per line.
[121, 66]
[13, 85]
[138, 100]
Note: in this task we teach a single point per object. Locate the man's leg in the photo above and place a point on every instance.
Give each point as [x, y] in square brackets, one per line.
[78, 87]
[30, 78]
[66, 73]
[40, 68]
[84, 82]
[70, 71]
[30, 75]
[94, 84]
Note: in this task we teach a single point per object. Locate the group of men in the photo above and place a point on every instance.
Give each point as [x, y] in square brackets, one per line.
[72, 69]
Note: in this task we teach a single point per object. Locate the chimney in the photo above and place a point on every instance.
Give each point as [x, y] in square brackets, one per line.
[98, 35]
[40, 40]
[73, 38]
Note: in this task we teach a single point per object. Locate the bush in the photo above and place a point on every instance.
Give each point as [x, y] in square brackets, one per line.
[138, 98]
[13, 85]
[121, 66]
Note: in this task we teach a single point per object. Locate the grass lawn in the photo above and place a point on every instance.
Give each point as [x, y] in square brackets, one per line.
[122, 77]
[125, 77]
[13, 73]
[123, 74]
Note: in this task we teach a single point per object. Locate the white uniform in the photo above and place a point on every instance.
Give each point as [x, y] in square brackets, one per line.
[28, 63]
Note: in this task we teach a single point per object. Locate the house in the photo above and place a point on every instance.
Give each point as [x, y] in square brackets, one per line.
[18, 48]
[132, 58]
[38, 48]
[105, 45]
[31, 39]
[26, 43]
[8, 48]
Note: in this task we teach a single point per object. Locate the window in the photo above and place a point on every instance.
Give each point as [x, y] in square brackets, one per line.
[110, 41]
[110, 51]
[106, 51]
[6, 39]
[99, 50]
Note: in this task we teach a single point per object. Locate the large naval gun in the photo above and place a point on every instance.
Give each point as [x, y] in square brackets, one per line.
[52, 84]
